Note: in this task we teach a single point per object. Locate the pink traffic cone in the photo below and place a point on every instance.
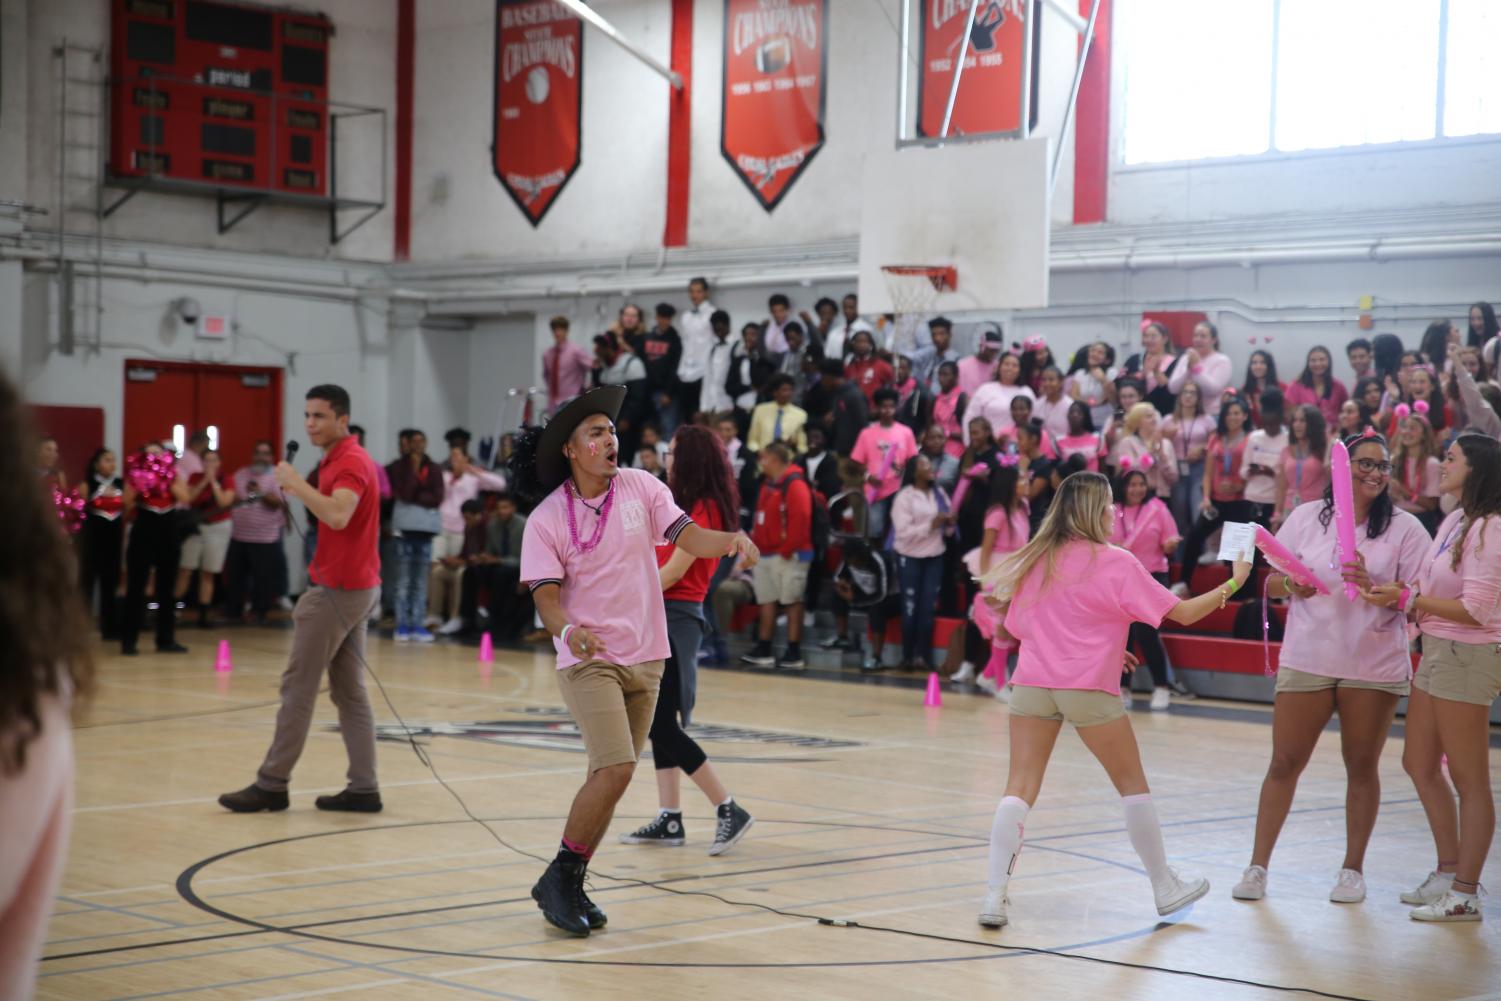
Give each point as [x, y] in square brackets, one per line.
[935, 691]
[224, 663]
[486, 649]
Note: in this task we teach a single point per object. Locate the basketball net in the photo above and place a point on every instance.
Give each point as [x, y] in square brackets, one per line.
[913, 289]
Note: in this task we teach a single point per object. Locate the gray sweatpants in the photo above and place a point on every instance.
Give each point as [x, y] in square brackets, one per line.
[329, 633]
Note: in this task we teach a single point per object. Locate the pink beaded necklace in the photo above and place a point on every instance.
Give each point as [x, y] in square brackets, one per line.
[604, 517]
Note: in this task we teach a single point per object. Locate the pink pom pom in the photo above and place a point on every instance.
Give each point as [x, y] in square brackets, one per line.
[1252, 339]
[1267, 339]
[1402, 411]
[1145, 324]
[1369, 432]
[1421, 406]
[1125, 463]
[1145, 462]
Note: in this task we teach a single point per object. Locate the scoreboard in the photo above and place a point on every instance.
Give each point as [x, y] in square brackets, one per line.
[228, 94]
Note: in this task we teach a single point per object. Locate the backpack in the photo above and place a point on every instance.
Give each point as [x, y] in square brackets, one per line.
[820, 527]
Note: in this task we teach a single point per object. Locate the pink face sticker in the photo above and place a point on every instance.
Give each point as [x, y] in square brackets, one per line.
[594, 448]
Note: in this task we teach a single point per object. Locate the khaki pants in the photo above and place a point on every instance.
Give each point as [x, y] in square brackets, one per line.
[444, 587]
[329, 634]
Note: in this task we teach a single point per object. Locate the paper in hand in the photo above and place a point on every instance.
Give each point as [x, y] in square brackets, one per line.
[1238, 541]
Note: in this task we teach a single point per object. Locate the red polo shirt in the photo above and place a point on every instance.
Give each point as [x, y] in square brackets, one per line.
[349, 559]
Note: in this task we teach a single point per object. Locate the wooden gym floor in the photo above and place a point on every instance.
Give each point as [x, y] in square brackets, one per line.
[869, 808]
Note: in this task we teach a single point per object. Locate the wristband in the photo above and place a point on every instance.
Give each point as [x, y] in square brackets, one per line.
[1234, 586]
[567, 629]
[1403, 599]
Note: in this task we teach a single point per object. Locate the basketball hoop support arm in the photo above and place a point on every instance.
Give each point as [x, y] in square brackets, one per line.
[1073, 92]
[969, 27]
[586, 13]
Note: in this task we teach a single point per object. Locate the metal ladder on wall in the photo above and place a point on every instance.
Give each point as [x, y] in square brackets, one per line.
[81, 100]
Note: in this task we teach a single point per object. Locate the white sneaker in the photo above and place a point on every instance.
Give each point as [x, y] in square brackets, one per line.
[451, 627]
[1180, 589]
[1126, 702]
[1003, 694]
[985, 684]
[1436, 885]
[1160, 699]
[1349, 888]
[965, 675]
[1178, 893]
[1450, 907]
[1252, 885]
[993, 910]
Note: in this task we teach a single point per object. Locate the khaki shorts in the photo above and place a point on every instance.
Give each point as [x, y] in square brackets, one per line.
[1290, 679]
[206, 550]
[1081, 707]
[780, 580]
[1460, 672]
[612, 706]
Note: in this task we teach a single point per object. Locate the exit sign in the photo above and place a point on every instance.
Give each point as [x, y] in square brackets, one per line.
[213, 328]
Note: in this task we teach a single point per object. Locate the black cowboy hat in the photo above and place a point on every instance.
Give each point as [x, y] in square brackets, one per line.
[552, 466]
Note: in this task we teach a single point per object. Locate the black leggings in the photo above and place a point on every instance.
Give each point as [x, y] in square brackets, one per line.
[1149, 641]
[670, 746]
[102, 541]
[1205, 526]
[153, 545]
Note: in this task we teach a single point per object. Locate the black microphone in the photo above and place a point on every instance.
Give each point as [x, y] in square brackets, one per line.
[291, 450]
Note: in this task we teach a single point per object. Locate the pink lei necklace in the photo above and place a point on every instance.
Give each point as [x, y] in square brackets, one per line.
[604, 517]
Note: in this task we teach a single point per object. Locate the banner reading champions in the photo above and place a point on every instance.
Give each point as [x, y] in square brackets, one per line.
[539, 96]
[775, 67]
[990, 88]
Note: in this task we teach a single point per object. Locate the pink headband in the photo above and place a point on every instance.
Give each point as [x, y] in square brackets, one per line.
[1035, 343]
[1008, 460]
[1419, 409]
[1147, 323]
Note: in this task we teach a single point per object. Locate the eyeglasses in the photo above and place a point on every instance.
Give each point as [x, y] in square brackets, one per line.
[1372, 466]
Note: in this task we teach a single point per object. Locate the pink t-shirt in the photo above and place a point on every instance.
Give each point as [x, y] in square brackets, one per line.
[1088, 445]
[1073, 629]
[992, 401]
[1306, 478]
[614, 589]
[1331, 636]
[1420, 479]
[871, 448]
[1011, 532]
[1143, 531]
[1477, 582]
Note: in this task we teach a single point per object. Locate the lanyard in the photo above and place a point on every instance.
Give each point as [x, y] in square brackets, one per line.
[1227, 451]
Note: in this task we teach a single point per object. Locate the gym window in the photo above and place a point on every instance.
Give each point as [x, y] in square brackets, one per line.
[1251, 77]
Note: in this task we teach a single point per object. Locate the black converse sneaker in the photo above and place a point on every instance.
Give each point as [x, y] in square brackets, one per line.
[731, 826]
[666, 829]
[791, 659]
[760, 655]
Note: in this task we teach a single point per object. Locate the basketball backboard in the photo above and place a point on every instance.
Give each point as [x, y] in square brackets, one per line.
[981, 207]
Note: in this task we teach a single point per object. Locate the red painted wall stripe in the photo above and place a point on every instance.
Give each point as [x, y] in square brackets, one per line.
[679, 126]
[1092, 123]
[406, 50]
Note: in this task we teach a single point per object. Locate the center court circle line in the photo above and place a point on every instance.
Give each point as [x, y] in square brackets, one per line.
[993, 951]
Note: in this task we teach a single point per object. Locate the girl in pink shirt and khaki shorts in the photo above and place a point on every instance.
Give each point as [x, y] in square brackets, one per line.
[1455, 599]
[1070, 597]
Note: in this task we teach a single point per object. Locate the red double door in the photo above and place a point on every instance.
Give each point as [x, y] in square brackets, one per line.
[237, 404]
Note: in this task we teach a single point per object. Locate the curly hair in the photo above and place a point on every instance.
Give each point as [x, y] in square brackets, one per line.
[701, 473]
[45, 633]
[523, 464]
[1380, 515]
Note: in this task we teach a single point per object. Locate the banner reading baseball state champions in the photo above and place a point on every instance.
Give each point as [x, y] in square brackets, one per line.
[990, 89]
[775, 64]
[539, 53]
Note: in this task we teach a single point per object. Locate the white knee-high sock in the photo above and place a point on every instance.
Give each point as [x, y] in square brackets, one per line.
[1006, 840]
[1146, 835]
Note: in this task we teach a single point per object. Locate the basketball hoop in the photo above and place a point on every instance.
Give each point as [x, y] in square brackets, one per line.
[913, 289]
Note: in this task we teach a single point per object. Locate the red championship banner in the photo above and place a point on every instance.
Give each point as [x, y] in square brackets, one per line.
[990, 89]
[539, 96]
[775, 65]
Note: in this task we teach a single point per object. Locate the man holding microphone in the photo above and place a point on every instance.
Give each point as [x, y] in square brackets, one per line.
[331, 616]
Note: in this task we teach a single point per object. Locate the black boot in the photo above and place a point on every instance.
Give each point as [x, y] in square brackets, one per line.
[596, 916]
[350, 802]
[560, 895]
